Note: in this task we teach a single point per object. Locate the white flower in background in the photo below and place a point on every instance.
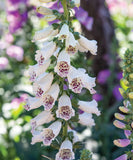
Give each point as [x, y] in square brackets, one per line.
[45, 53]
[64, 32]
[49, 18]
[50, 97]
[32, 103]
[89, 107]
[36, 70]
[86, 119]
[63, 64]
[44, 10]
[42, 118]
[42, 34]
[65, 151]
[65, 110]
[71, 44]
[36, 137]
[76, 2]
[78, 79]
[90, 45]
[50, 133]
[42, 84]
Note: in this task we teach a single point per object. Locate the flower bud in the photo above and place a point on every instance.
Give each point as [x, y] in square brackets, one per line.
[123, 109]
[45, 1]
[121, 91]
[130, 95]
[119, 116]
[119, 124]
[122, 142]
[127, 133]
[49, 18]
[44, 10]
[122, 157]
[131, 75]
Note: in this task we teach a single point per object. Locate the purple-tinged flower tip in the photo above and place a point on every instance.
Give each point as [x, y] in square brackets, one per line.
[116, 93]
[119, 124]
[127, 133]
[122, 142]
[122, 157]
[119, 116]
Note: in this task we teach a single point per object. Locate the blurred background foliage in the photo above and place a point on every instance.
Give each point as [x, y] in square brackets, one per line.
[110, 22]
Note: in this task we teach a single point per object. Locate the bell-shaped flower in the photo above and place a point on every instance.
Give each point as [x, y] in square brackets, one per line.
[50, 133]
[65, 110]
[122, 157]
[86, 119]
[63, 64]
[81, 48]
[44, 10]
[71, 44]
[78, 79]
[36, 70]
[90, 45]
[42, 84]
[45, 53]
[64, 32]
[122, 142]
[36, 137]
[65, 151]
[49, 98]
[32, 103]
[89, 107]
[42, 34]
[42, 118]
[76, 2]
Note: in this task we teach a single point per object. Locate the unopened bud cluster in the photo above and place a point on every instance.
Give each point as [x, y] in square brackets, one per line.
[52, 72]
[125, 119]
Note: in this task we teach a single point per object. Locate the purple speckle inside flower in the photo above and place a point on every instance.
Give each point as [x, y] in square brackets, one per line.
[103, 76]
[116, 93]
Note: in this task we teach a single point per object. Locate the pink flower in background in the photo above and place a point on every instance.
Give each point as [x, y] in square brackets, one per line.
[3, 63]
[15, 52]
[103, 76]
[97, 97]
[9, 38]
[17, 101]
[116, 93]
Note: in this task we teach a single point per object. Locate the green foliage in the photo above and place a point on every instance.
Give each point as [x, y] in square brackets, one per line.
[86, 155]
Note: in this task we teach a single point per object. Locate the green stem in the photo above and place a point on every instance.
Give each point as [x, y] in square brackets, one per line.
[65, 130]
[66, 12]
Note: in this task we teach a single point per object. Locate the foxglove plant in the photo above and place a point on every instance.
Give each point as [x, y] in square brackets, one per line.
[127, 109]
[52, 72]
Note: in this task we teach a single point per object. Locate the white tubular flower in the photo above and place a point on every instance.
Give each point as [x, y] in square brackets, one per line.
[86, 119]
[36, 70]
[49, 18]
[81, 48]
[71, 44]
[50, 97]
[65, 110]
[45, 53]
[50, 133]
[64, 32]
[42, 118]
[39, 35]
[42, 84]
[32, 103]
[36, 137]
[63, 64]
[90, 45]
[45, 1]
[77, 3]
[65, 151]
[89, 107]
[56, 52]
[75, 80]
[44, 10]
